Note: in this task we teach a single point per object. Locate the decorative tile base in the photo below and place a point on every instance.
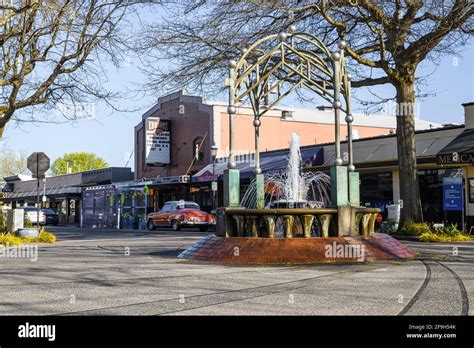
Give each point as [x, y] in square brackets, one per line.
[264, 251]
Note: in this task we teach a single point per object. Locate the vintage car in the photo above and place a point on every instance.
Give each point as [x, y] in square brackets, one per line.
[178, 214]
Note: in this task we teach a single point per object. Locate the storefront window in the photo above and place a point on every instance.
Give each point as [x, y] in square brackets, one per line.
[376, 190]
[431, 193]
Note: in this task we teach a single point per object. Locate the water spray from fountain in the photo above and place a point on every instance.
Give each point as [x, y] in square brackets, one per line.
[292, 188]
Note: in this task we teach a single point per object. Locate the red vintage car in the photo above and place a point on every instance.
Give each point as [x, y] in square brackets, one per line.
[178, 214]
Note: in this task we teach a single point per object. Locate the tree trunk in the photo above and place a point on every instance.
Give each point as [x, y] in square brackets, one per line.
[409, 188]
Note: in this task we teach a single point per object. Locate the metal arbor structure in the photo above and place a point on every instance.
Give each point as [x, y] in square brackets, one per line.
[267, 72]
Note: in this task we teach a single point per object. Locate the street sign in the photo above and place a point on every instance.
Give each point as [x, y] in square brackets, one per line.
[453, 195]
[38, 164]
[214, 186]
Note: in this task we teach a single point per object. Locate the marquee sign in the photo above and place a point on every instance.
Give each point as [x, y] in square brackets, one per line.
[157, 141]
[455, 158]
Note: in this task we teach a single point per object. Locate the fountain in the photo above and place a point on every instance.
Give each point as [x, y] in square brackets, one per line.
[314, 214]
[291, 188]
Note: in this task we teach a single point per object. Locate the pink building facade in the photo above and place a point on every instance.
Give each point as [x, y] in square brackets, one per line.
[196, 124]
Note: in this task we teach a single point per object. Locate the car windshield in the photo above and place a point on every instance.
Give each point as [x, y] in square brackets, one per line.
[48, 211]
[187, 205]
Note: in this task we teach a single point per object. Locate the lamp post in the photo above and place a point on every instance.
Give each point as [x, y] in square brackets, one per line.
[214, 149]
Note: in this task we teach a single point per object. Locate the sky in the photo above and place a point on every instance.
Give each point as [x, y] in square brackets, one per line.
[110, 134]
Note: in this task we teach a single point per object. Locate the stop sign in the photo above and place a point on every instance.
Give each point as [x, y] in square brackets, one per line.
[38, 164]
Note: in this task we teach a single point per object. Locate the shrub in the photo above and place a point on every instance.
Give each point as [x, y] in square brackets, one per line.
[448, 233]
[28, 223]
[450, 230]
[439, 237]
[415, 229]
[10, 239]
[44, 237]
[390, 227]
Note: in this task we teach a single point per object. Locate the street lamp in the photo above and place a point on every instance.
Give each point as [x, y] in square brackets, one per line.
[214, 149]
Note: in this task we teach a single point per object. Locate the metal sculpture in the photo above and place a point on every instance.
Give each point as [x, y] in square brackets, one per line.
[267, 72]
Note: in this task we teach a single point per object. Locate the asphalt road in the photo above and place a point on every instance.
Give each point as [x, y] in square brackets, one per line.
[93, 272]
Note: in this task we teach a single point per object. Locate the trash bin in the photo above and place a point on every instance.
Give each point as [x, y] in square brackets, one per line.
[393, 212]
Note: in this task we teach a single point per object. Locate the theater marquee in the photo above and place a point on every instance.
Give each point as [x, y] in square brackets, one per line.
[157, 141]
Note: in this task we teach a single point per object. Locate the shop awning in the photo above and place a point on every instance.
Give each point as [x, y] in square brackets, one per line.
[55, 186]
[459, 151]
[269, 161]
[52, 192]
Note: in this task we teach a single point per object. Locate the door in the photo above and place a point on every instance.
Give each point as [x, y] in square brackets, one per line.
[162, 217]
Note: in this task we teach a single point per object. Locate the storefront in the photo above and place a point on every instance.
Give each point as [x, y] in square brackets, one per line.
[126, 204]
[458, 155]
[99, 207]
[99, 196]
[64, 194]
[61, 193]
[445, 162]
[134, 202]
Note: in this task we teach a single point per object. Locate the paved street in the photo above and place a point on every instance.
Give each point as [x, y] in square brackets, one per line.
[89, 272]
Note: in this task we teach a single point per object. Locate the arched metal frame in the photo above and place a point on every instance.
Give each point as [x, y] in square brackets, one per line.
[267, 72]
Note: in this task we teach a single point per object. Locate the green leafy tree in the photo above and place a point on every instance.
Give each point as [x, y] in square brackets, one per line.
[77, 162]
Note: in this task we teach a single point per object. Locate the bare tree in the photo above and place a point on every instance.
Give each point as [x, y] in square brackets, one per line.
[51, 53]
[387, 42]
[12, 163]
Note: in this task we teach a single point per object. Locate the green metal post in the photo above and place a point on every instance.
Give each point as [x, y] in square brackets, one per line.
[259, 179]
[337, 108]
[231, 174]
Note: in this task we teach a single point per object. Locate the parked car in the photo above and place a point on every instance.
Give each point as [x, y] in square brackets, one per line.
[31, 213]
[178, 214]
[47, 216]
[52, 216]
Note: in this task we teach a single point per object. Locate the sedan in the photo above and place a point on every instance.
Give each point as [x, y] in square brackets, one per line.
[178, 214]
[51, 216]
[46, 217]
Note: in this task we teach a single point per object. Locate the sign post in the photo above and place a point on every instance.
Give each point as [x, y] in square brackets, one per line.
[38, 163]
[453, 195]
[145, 190]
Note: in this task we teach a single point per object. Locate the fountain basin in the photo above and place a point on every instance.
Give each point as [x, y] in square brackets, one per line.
[333, 222]
[281, 251]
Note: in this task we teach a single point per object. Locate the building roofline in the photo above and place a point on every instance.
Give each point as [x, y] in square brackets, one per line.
[371, 138]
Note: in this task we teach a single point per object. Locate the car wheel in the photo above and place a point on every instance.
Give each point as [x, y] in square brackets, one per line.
[151, 225]
[175, 226]
[203, 228]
